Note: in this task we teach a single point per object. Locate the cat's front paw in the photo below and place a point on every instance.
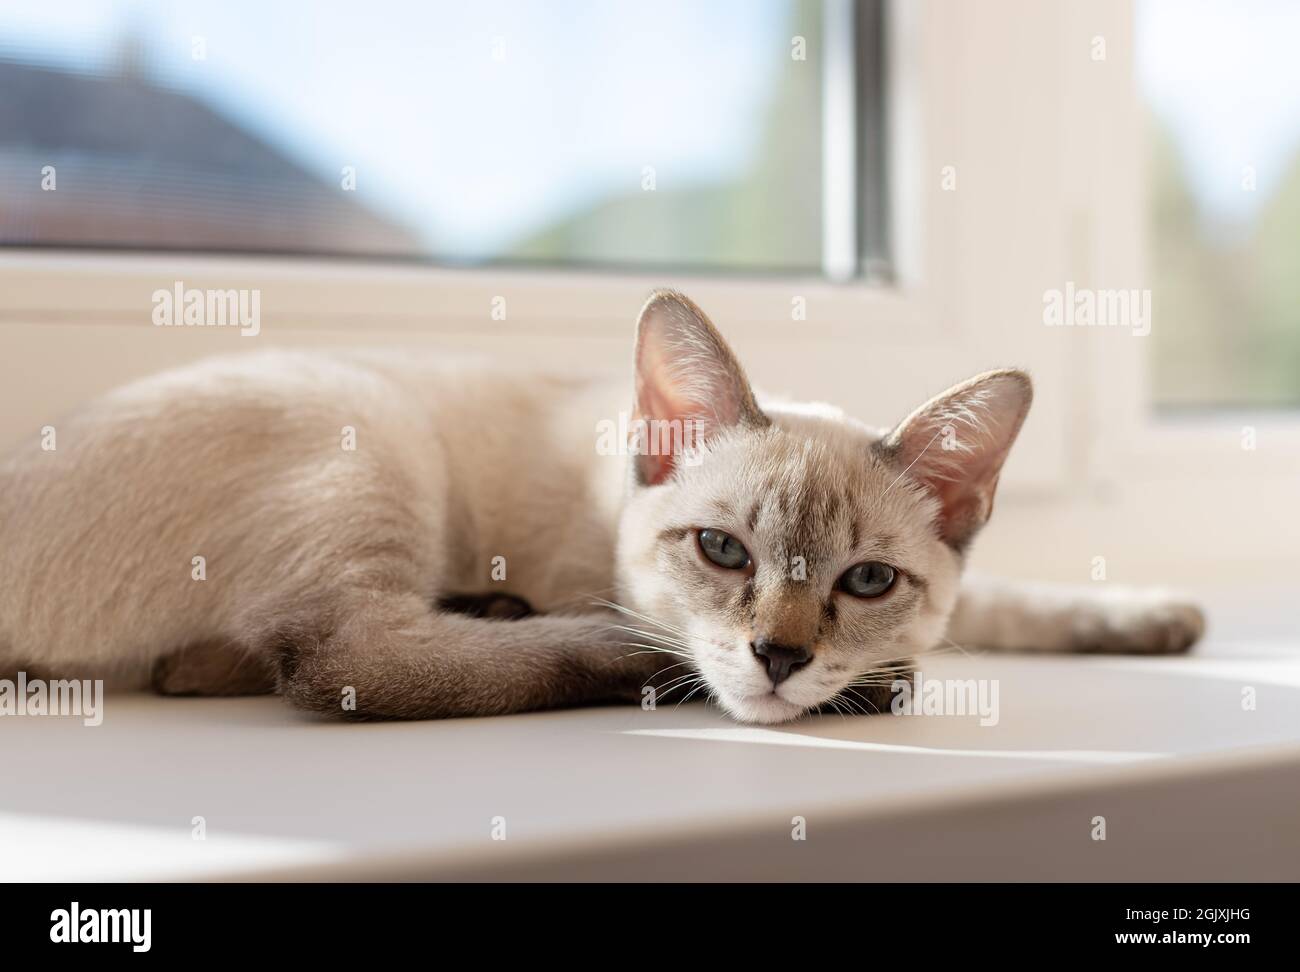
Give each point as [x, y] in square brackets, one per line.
[1144, 623]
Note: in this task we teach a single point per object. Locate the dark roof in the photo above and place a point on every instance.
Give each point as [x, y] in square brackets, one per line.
[141, 164]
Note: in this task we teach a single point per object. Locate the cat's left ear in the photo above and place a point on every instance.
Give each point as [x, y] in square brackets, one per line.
[954, 445]
[689, 385]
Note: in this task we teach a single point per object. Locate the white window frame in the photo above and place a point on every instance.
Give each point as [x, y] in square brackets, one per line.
[948, 66]
[106, 287]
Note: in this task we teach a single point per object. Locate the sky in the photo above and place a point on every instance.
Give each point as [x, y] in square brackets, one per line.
[477, 123]
[1224, 75]
[473, 123]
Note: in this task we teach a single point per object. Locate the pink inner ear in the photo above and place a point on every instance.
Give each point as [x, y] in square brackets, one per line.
[653, 467]
[966, 503]
[666, 415]
[688, 384]
[984, 421]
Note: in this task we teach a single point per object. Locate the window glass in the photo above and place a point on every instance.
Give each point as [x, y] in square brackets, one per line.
[1222, 84]
[578, 131]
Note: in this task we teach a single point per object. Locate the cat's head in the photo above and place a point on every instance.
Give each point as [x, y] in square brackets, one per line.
[792, 551]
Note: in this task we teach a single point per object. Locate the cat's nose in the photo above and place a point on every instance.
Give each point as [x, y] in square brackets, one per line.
[781, 660]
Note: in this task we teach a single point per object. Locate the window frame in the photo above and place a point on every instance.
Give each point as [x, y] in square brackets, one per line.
[1094, 423]
[920, 308]
[80, 284]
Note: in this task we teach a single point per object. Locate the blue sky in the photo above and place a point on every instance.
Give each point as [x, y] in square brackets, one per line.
[470, 150]
[474, 152]
[1225, 76]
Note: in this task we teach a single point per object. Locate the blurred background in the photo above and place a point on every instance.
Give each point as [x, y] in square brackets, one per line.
[912, 178]
[221, 126]
[184, 122]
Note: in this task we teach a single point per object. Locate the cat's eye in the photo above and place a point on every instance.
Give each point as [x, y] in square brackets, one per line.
[870, 579]
[724, 549]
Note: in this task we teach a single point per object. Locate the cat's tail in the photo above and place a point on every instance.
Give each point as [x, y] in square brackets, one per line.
[1040, 617]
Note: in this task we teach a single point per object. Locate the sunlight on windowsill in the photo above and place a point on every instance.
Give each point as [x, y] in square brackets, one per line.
[776, 737]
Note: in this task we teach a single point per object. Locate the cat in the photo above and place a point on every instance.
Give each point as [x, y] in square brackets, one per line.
[381, 535]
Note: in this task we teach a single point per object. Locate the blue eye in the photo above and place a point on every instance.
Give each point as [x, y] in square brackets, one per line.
[868, 580]
[724, 549]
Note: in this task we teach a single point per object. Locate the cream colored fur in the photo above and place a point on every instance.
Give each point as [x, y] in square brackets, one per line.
[323, 563]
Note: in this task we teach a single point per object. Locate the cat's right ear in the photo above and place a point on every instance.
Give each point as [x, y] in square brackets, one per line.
[689, 385]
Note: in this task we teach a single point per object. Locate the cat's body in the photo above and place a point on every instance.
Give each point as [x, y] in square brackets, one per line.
[336, 499]
[284, 471]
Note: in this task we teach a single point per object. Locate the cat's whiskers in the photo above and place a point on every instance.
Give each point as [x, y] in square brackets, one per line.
[835, 705]
[851, 703]
[669, 668]
[876, 678]
[652, 635]
[582, 599]
[666, 668]
[703, 684]
[678, 681]
[624, 609]
[952, 648]
[862, 700]
[683, 682]
[646, 649]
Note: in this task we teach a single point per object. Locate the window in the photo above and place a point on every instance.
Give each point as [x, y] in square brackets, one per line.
[1222, 86]
[573, 133]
